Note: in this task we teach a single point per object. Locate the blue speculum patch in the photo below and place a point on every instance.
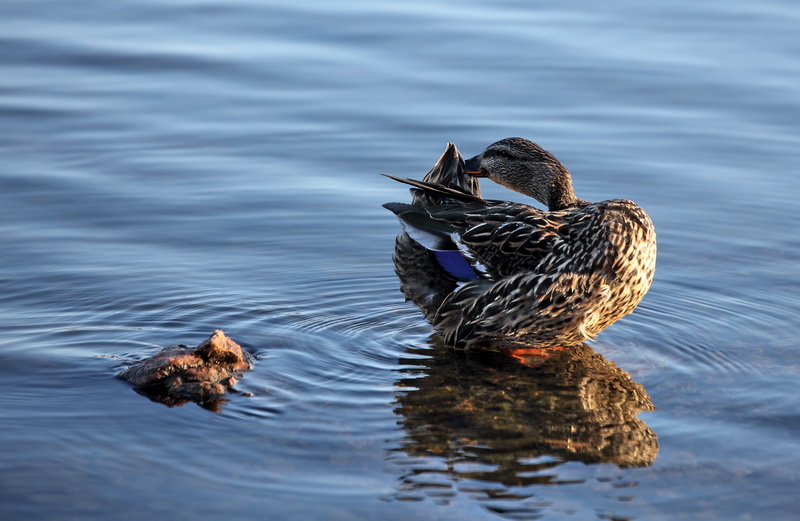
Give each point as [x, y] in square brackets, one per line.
[452, 262]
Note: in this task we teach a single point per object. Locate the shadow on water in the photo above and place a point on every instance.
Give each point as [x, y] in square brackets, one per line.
[481, 421]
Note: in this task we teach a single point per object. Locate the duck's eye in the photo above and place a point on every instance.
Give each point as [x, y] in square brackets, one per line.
[504, 154]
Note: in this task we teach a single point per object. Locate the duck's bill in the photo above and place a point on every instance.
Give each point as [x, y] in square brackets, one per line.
[472, 166]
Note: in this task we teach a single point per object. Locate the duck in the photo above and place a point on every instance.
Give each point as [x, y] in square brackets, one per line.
[484, 271]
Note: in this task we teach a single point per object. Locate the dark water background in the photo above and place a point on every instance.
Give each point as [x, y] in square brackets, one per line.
[169, 168]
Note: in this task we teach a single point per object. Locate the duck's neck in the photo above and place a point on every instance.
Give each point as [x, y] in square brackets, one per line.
[561, 195]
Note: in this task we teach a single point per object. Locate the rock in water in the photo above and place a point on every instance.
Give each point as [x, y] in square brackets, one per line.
[201, 373]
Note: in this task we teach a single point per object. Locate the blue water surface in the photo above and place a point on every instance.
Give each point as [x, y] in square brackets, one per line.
[173, 167]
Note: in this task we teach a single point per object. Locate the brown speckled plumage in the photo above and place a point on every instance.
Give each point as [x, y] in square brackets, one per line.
[555, 277]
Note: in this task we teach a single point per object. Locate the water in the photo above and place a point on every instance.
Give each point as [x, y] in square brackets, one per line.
[169, 168]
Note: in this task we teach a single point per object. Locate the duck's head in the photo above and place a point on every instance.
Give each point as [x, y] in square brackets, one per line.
[525, 167]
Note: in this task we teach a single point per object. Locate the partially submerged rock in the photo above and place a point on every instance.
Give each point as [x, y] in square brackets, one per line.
[202, 373]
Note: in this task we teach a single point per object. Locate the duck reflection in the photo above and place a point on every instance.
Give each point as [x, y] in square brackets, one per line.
[484, 416]
[574, 405]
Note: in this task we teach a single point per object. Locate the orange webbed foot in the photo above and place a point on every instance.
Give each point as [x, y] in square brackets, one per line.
[533, 355]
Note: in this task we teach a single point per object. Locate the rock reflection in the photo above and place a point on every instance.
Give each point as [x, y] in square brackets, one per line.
[485, 421]
[162, 396]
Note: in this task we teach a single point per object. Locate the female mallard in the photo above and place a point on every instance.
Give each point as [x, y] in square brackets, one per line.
[483, 270]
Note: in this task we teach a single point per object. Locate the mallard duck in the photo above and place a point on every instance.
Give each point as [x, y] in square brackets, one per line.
[485, 269]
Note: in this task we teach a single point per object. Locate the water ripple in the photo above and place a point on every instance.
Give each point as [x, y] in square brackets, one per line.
[171, 168]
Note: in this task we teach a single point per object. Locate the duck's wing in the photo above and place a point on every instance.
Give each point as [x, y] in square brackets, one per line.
[456, 190]
[502, 238]
[431, 233]
[498, 238]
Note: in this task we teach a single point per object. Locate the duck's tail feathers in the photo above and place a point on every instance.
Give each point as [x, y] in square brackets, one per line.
[446, 182]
